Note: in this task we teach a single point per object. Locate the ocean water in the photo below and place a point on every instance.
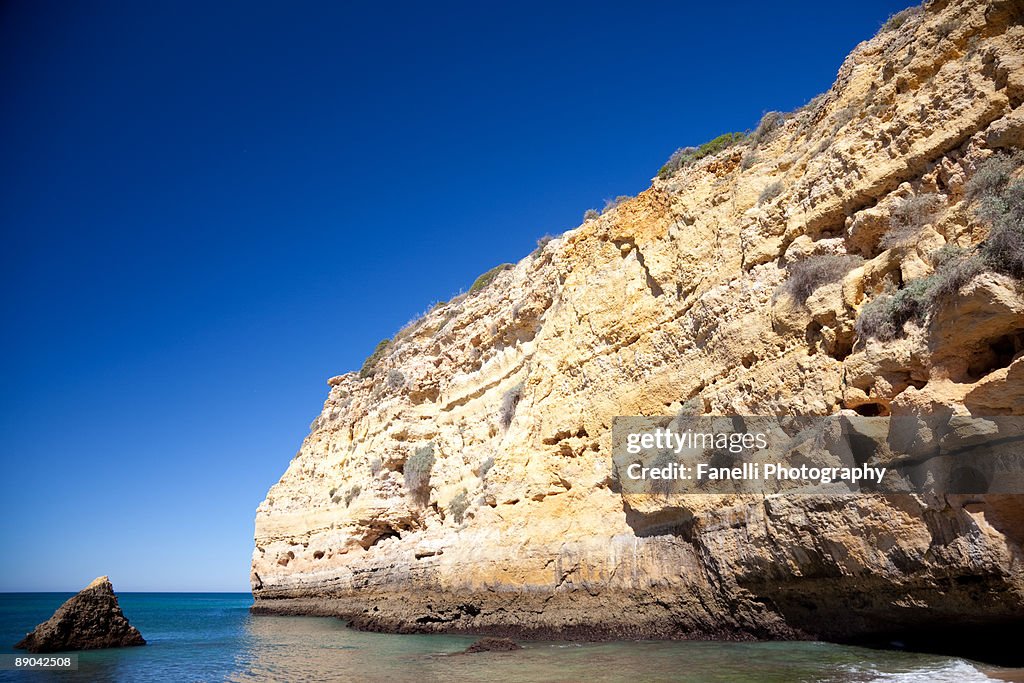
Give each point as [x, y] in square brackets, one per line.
[212, 637]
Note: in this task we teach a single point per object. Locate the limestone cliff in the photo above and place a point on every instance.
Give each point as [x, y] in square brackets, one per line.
[465, 483]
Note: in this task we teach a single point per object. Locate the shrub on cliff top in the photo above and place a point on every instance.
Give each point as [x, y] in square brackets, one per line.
[687, 155]
[900, 18]
[371, 362]
[716, 145]
[488, 277]
[770, 122]
[543, 242]
[811, 273]
[610, 204]
[679, 158]
[591, 214]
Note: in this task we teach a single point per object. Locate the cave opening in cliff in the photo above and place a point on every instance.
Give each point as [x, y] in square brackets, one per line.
[996, 354]
[872, 409]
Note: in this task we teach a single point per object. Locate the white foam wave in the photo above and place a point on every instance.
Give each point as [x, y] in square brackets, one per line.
[955, 671]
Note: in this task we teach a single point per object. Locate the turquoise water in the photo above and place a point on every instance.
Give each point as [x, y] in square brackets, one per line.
[212, 637]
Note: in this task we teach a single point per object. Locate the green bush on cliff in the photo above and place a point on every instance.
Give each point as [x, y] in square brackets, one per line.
[458, 506]
[811, 273]
[770, 192]
[370, 363]
[542, 243]
[488, 277]
[715, 146]
[679, 158]
[416, 472]
[884, 317]
[485, 467]
[395, 380]
[687, 155]
[992, 175]
[508, 405]
[770, 123]
[1003, 250]
[352, 494]
[610, 204]
[907, 219]
[999, 201]
[900, 18]
[1001, 206]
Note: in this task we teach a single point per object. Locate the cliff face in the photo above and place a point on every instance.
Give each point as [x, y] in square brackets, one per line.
[467, 484]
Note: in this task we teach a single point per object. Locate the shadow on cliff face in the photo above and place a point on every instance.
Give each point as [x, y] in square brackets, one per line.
[913, 604]
[668, 521]
[980, 642]
[937, 615]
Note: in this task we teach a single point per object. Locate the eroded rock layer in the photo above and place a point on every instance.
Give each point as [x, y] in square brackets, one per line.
[465, 483]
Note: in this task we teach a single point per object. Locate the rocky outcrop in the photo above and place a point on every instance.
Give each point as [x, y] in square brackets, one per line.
[91, 620]
[464, 482]
[492, 645]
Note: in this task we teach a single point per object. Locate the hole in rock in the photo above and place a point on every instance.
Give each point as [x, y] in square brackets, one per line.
[996, 354]
[872, 409]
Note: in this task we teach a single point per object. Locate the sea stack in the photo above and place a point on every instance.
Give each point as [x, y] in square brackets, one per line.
[91, 620]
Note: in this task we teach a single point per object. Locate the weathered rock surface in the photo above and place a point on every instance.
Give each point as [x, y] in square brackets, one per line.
[91, 620]
[671, 299]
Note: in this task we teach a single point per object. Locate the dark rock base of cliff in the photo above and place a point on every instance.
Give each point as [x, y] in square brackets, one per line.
[597, 618]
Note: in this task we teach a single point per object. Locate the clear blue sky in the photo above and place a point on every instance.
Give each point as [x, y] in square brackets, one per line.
[209, 208]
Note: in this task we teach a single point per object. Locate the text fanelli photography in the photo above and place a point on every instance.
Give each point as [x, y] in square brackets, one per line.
[663, 342]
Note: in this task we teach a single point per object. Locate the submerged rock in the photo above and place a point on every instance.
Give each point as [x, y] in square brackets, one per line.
[493, 645]
[89, 621]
